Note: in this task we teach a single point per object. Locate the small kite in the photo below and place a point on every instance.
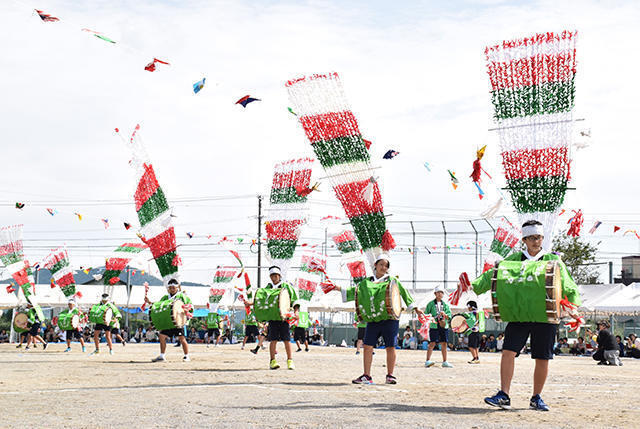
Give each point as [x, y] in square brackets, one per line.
[367, 143]
[20, 206]
[291, 111]
[198, 85]
[492, 210]
[575, 223]
[79, 215]
[190, 234]
[105, 222]
[476, 174]
[51, 212]
[246, 100]
[391, 154]
[616, 229]
[46, 17]
[427, 166]
[151, 67]
[454, 180]
[595, 226]
[634, 231]
[127, 226]
[303, 192]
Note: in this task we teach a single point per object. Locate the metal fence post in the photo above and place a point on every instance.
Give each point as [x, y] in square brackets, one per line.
[415, 256]
[446, 256]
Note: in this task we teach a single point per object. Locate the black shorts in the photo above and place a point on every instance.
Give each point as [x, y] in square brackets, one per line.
[543, 337]
[438, 335]
[251, 330]
[115, 331]
[213, 332]
[73, 333]
[173, 332]
[279, 331]
[361, 332]
[101, 327]
[299, 334]
[474, 340]
[35, 329]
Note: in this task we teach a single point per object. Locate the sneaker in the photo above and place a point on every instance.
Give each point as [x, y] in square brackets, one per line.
[111, 352]
[68, 349]
[186, 359]
[475, 361]
[84, 349]
[263, 347]
[429, 364]
[391, 379]
[159, 358]
[176, 345]
[27, 348]
[290, 364]
[255, 351]
[357, 353]
[95, 352]
[44, 346]
[307, 349]
[19, 346]
[299, 350]
[500, 400]
[536, 403]
[363, 379]
[207, 345]
[273, 364]
[446, 364]
[242, 348]
[124, 343]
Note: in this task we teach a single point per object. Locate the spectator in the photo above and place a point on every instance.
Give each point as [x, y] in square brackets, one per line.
[124, 332]
[151, 335]
[633, 346]
[49, 335]
[579, 347]
[87, 334]
[193, 335]
[620, 345]
[499, 342]
[492, 344]
[483, 343]
[4, 338]
[139, 335]
[406, 342]
[608, 352]
[463, 342]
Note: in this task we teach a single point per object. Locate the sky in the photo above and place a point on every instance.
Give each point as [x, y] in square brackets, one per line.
[413, 73]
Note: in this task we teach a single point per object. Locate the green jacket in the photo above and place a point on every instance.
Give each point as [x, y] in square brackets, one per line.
[569, 287]
[433, 310]
[292, 292]
[349, 294]
[213, 321]
[180, 295]
[115, 312]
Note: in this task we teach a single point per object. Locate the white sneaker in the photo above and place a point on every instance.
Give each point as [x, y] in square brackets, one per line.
[186, 359]
[160, 358]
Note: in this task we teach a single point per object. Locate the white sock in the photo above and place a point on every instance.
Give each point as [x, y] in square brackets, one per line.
[162, 355]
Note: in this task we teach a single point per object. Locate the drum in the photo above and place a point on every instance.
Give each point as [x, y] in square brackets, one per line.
[378, 301]
[21, 322]
[527, 291]
[271, 304]
[168, 314]
[68, 321]
[459, 324]
[100, 314]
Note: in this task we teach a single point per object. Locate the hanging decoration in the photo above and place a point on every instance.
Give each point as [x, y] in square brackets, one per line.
[46, 17]
[119, 260]
[476, 174]
[198, 85]
[333, 131]
[505, 240]
[246, 100]
[575, 224]
[154, 214]
[532, 93]
[221, 281]
[61, 273]
[348, 246]
[151, 67]
[311, 264]
[287, 210]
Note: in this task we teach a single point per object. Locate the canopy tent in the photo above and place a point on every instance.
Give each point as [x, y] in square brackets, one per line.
[623, 300]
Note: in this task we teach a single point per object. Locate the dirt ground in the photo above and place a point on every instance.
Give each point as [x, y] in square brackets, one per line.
[228, 387]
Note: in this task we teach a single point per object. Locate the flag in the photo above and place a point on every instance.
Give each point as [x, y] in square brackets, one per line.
[106, 223]
[127, 226]
[595, 226]
[51, 211]
[20, 206]
[616, 229]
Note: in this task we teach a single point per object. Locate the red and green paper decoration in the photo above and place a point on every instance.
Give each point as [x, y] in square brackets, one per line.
[154, 215]
[505, 240]
[333, 131]
[221, 282]
[289, 193]
[311, 265]
[61, 273]
[349, 247]
[307, 285]
[119, 260]
[533, 93]
[12, 257]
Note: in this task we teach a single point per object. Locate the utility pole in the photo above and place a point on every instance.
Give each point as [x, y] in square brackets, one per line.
[259, 239]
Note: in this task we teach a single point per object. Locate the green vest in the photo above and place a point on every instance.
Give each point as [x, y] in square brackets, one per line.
[250, 319]
[303, 319]
[213, 321]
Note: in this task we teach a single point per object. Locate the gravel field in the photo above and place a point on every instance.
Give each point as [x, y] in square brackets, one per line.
[229, 387]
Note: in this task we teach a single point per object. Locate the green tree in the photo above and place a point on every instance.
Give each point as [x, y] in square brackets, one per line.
[577, 255]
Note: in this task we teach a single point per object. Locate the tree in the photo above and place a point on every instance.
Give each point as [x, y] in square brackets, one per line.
[577, 255]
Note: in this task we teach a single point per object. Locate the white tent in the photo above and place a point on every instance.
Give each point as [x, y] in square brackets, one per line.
[623, 300]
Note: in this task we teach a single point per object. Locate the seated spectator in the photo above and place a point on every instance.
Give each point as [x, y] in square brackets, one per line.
[406, 341]
[483, 344]
[633, 346]
[608, 352]
[492, 344]
[150, 336]
[4, 338]
[499, 342]
[193, 336]
[579, 347]
[139, 335]
[620, 345]
[464, 342]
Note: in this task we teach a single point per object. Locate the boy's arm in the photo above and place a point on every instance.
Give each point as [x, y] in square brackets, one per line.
[348, 294]
[482, 283]
[406, 296]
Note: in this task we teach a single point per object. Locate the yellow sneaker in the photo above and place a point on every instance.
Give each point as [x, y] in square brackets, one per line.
[274, 364]
[290, 364]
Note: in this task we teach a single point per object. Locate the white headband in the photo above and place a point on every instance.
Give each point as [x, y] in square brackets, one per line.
[382, 256]
[532, 230]
[274, 270]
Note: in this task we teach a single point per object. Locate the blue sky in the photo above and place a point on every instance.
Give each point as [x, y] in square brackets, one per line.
[413, 72]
